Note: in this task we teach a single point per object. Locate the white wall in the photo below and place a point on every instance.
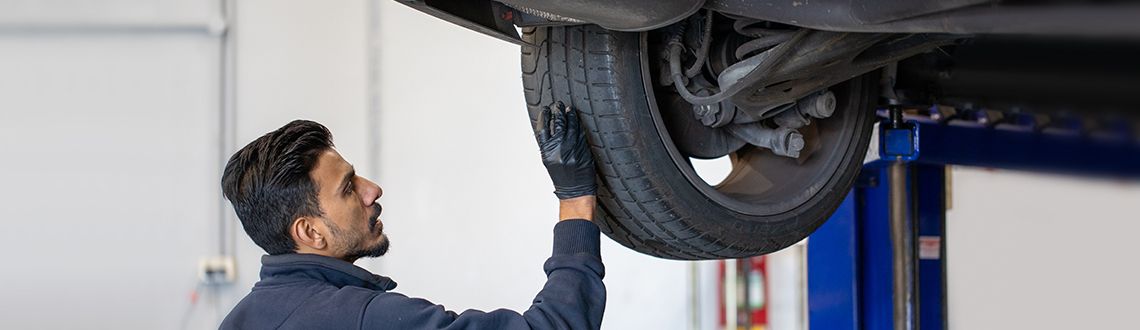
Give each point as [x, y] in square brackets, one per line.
[108, 141]
[111, 133]
[1032, 251]
[107, 187]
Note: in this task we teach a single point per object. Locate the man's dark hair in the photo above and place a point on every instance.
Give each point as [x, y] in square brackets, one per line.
[268, 182]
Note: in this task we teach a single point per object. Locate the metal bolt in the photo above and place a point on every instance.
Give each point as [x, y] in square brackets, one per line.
[795, 143]
[895, 115]
[782, 141]
[821, 105]
[707, 113]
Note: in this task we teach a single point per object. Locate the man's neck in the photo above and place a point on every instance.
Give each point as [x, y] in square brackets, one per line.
[307, 250]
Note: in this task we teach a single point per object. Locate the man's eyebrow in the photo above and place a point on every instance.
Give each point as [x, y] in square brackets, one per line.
[347, 177]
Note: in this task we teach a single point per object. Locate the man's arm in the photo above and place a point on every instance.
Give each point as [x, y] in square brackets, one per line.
[574, 296]
[577, 208]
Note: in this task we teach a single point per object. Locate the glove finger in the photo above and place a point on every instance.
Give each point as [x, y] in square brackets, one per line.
[543, 131]
[571, 116]
[576, 136]
[557, 123]
[573, 126]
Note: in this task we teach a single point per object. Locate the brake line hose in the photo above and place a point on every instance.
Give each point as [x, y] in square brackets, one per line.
[775, 56]
[703, 51]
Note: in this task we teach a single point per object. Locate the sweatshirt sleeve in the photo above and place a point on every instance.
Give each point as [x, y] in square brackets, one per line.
[573, 297]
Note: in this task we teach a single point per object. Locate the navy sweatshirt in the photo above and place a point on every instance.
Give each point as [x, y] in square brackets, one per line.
[307, 291]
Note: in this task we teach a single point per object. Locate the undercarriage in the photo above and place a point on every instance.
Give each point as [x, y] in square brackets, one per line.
[788, 92]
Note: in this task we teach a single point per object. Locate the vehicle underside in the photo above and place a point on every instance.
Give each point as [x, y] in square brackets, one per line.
[788, 91]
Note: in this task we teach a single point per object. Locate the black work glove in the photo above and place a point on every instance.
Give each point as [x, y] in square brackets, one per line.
[565, 152]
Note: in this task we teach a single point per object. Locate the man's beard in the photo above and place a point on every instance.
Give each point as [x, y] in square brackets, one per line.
[355, 247]
[359, 251]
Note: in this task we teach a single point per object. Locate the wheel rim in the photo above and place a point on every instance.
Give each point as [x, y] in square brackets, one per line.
[761, 183]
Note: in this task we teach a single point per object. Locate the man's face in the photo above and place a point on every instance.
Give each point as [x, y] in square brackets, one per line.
[351, 210]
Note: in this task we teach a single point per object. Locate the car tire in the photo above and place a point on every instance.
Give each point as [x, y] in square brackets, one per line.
[646, 200]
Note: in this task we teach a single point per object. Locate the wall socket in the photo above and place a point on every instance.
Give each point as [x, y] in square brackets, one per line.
[217, 270]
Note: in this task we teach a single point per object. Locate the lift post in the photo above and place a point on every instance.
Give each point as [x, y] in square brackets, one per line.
[900, 146]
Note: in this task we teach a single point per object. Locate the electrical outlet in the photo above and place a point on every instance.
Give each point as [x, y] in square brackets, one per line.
[217, 270]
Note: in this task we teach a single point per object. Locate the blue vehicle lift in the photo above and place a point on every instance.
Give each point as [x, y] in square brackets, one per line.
[865, 270]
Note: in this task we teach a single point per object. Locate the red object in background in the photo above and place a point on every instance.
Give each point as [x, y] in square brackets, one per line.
[752, 293]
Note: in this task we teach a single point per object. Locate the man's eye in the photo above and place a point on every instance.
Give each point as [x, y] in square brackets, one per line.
[348, 189]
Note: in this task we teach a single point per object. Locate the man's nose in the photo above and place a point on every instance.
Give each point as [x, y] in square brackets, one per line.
[370, 192]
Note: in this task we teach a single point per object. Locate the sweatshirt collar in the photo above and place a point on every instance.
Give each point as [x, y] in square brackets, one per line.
[335, 271]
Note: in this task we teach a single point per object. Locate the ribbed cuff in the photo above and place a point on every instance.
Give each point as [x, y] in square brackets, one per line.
[576, 236]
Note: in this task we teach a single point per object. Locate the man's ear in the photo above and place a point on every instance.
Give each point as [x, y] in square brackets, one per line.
[310, 234]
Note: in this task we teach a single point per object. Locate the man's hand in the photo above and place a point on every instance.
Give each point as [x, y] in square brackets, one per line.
[565, 153]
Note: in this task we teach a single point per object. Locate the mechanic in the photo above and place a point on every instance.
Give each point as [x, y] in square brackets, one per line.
[306, 207]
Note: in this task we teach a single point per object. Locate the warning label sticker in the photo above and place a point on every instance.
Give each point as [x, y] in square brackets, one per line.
[929, 247]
